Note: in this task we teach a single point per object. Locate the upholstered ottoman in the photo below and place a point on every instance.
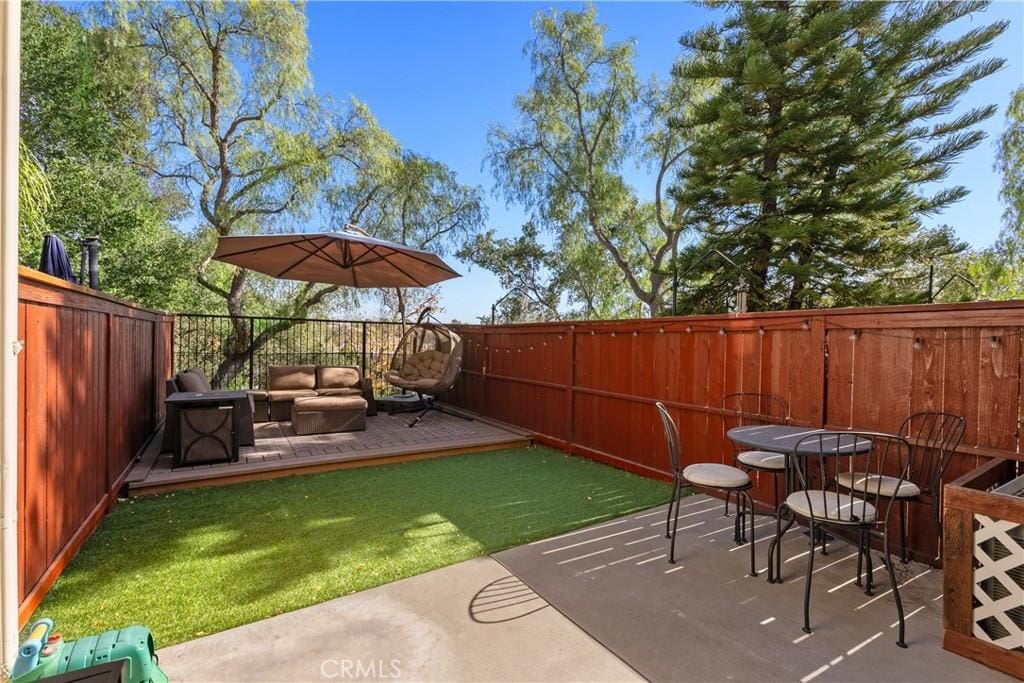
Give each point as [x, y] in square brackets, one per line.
[327, 414]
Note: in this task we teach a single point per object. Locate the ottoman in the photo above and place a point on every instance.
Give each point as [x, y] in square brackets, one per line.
[327, 414]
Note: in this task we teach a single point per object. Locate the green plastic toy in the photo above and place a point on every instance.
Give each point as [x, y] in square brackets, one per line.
[45, 653]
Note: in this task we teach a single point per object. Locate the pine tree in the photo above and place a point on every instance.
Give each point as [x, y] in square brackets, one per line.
[817, 155]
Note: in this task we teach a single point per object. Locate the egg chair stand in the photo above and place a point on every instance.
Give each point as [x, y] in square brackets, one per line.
[427, 362]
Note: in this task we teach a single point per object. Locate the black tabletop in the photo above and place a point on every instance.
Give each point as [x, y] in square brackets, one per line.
[784, 438]
[194, 396]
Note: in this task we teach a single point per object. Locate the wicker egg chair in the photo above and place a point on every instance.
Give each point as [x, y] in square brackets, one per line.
[427, 362]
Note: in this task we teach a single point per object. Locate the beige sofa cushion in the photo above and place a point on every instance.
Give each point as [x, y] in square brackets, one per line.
[202, 377]
[303, 405]
[412, 384]
[340, 391]
[289, 394]
[337, 377]
[288, 377]
[190, 381]
[424, 365]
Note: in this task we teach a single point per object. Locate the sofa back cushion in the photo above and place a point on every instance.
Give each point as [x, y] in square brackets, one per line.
[425, 365]
[292, 376]
[190, 381]
[198, 372]
[337, 377]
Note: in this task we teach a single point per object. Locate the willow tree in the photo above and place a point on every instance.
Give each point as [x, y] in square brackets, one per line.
[238, 125]
[405, 197]
[585, 118]
[820, 150]
[1000, 270]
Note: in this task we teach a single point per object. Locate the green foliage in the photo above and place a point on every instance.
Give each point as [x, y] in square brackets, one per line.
[584, 118]
[814, 156]
[238, 126]
[35, 196]
[999, 271]
[525, 269]
[81, 128]
[408, 198]
[211, 559]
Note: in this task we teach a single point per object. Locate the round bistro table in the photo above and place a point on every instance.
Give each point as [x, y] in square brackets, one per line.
[784, 439]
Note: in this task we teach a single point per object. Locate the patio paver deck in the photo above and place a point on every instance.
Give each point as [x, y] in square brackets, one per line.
[705, 619]
[280, 452]
[471, 621]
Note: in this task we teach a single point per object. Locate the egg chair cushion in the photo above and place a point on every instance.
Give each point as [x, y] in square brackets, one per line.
[426, 365]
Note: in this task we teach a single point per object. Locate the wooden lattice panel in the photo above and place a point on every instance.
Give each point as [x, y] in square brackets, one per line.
[999, 582]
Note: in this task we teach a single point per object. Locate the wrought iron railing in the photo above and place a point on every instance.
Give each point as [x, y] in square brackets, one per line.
[235, 353]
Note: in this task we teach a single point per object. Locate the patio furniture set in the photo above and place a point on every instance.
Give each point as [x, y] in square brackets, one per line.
[206, 425]
[846, 482]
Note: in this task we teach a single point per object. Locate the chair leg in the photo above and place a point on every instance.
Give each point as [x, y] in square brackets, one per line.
[736, 521]
[869, 581]
[668, 518]
[775, 549]
[753, 541]
[775, 490]
[937, 511]
[895, 591]
[903, 531]
[741, 519]
[860, 559]
[428, 404]
[727, 494]
[672, 545]
[807, 584]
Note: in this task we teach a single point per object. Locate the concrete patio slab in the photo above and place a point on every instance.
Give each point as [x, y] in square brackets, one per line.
[706, 619]
[471, 621]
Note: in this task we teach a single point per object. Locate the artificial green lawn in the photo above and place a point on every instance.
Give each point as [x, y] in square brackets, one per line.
[191, 563]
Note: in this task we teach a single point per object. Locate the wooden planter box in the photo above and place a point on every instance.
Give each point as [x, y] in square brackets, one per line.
[983, 604]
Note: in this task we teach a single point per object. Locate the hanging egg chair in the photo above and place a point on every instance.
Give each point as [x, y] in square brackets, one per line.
[427, 362]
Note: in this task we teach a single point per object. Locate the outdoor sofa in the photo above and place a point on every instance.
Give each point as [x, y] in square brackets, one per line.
[286, 383]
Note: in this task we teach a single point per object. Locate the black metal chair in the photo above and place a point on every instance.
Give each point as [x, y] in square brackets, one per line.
[819, 461]
[934, 438]
[705, 475]
[748, 408]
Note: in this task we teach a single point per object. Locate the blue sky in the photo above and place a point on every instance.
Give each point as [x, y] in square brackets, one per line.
[437, 75]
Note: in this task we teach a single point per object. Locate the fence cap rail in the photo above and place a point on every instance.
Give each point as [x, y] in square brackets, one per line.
[938, 312]
[273, 317]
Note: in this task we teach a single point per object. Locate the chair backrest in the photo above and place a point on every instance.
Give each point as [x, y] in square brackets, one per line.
[671, 437]
[750, 408]
[934, 437]
[821, 456]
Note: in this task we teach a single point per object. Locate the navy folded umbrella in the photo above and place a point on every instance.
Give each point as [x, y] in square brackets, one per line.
[54, 260]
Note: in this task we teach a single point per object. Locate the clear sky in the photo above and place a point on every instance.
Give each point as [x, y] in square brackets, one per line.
[437, 75]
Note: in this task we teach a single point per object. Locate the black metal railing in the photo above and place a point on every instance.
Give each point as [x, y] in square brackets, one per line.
[235, 353]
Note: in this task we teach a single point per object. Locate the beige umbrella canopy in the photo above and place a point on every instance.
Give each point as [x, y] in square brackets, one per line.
[344, 258]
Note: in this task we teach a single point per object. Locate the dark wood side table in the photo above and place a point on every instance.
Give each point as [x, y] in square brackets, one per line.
[238, 400]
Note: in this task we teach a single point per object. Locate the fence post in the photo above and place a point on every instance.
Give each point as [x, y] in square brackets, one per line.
[251, 339]
[364, 349]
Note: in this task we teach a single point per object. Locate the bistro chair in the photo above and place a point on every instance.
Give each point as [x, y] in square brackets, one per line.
[823, 502]
[934, 438]
[705, 475]
[746, 409]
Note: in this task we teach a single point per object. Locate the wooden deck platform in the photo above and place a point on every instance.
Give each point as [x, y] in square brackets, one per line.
[279, 452]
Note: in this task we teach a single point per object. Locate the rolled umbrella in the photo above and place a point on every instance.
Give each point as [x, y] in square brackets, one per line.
[54, 259]
[344, 258]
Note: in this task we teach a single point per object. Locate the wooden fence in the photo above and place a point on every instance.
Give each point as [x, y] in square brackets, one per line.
[90, 394]
[589, 388]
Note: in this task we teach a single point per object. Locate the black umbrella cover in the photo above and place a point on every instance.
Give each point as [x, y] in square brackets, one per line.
[54, 260]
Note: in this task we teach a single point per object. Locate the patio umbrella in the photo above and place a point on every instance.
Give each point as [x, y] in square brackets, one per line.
[344, 258]
[54, 259]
